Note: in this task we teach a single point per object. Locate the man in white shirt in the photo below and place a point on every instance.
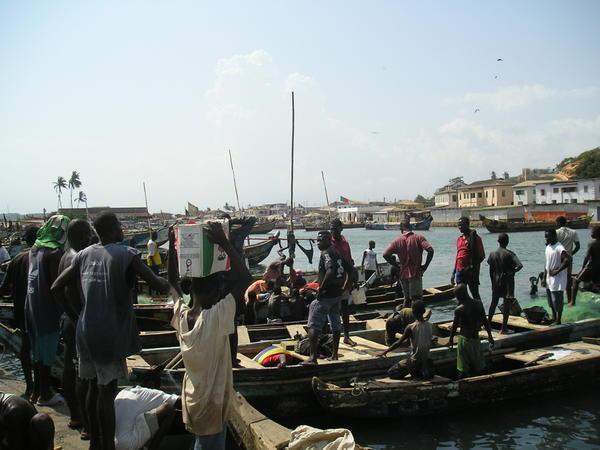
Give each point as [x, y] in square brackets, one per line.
[203, 332]
[369, 261]
[555, 274]
[142, 417]
[570, 241]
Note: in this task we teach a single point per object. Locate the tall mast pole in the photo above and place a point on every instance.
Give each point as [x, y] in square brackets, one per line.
[237, 197]
[326, 195]
[292, 170]
[146, 199]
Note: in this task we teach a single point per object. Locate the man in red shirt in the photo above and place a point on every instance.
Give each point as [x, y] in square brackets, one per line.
[341, 246]
[469, 255]
[409, 247]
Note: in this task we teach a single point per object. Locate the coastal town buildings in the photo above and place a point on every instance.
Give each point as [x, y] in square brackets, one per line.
[492, 192]
[448, 195]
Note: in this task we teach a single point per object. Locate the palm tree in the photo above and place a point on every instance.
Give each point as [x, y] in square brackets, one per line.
[74, 183]
[59, 185]
[82, 198]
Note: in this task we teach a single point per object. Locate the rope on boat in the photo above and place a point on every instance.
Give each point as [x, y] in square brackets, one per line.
[358, 388]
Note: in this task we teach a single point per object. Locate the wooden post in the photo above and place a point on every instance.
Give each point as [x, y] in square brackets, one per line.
[292, 170]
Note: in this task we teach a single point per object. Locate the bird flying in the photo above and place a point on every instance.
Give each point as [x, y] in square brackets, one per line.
[499, 59]
[476, 110]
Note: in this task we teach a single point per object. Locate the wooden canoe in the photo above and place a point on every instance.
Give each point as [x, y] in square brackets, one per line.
[575, 364]
[506, 226]
[288, 391]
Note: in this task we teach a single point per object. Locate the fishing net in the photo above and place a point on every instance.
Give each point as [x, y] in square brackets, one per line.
[587, 306]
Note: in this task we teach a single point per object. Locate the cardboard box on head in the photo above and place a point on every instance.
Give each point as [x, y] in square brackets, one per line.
[197, 256]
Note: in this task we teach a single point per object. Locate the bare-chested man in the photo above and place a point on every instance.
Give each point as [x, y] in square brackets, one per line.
[469, 316]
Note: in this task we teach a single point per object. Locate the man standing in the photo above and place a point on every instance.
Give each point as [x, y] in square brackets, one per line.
[75, 391]
[106, 330]
[332, 279]
[153, 258]
[503, 266]
[409, 247]
[469, 255]
[203, 332]
[555, 274]
[590, 273]
[15, 284]
[342, 248]
[469, 315]
[369, 264]
[42, 313]
[570, 241]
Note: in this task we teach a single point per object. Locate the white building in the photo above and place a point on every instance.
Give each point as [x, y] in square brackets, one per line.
[356, 213]
[525, 193]
[448, 195]
[572, 191]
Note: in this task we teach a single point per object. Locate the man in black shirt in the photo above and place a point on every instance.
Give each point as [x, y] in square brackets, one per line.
[590, 273]
[332, 277]
[15, 285]
[503, 266]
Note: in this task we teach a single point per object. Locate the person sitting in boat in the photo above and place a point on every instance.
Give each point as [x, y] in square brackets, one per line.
[250, 296]
[278, 306]
[469, 316]
[419, 332]
[503, 266]
[590, 273]
[261, 304]
[22, 427]
[275, 356]
[399, 320]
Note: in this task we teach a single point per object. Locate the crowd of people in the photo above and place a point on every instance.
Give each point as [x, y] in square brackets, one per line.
[78, 282]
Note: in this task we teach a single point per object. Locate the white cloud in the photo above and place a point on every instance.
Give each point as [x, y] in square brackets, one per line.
[514, 97]
[298, 80]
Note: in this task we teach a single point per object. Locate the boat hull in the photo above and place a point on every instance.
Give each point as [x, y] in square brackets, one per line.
[504, 226]
[385, 398]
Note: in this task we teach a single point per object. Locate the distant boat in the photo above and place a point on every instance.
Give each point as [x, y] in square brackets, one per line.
[507, 226]
[422, 225]
[263, 228]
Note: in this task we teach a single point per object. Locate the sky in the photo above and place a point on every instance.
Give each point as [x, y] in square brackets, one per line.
[392, 98]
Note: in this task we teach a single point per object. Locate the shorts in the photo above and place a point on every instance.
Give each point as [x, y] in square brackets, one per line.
[325, 308]
[555, 300]
[412, 288]
[142, 431]
[410, 366]
[469, 356]
[44, 348]
[103, 372]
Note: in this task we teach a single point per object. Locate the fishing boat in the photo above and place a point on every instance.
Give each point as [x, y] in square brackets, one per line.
[512, 376]
[263, 228]
[288, 391]
[512, 226]
[139, 238]
[422, 225]
[255, 253]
